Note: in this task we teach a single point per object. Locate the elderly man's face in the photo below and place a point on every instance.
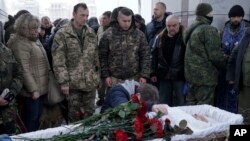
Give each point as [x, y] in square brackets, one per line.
[173, 27]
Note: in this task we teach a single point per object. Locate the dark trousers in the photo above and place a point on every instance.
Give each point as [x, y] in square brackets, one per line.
[226, 97]
[33, 110]
[172, 92]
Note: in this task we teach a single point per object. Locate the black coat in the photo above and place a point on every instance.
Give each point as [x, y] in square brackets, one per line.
[160, 66]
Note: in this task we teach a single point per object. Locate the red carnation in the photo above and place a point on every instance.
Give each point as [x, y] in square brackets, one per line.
[120, 135]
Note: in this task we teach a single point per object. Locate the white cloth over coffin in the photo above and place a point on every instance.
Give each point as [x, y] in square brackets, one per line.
[218, 121]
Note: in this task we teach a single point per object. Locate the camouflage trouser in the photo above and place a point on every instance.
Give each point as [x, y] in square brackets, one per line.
[200, 95]
[7, 120]
[244, 104]
[80, 104]
[7, 114]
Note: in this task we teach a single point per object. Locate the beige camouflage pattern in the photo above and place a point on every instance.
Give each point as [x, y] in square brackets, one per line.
[80, 105]
[73, 63]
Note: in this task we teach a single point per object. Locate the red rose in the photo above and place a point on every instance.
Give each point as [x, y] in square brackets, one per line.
[167, 121]
[141, 112]
[156, 126]
[135, 98]
[120, 135]
[138, 127]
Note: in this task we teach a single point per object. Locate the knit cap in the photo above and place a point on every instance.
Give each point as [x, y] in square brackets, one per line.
[203, 9]
[236, 10]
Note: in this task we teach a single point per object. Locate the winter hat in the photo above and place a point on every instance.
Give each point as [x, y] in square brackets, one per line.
[236, 10]
[203, 9]
[138, 18]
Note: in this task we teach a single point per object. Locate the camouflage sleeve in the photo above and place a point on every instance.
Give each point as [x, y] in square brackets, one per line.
[212, 45]
[144, 57]
[23, 56]
[17, 81]
[103, 56]
[59, 59]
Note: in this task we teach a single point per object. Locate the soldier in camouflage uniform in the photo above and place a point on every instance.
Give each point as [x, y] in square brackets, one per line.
[10, 78]
[203, 57]
[124, 51]
[75, 62]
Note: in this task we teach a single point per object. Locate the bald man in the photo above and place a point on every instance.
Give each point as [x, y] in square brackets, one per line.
[168, 62]
[46, 25]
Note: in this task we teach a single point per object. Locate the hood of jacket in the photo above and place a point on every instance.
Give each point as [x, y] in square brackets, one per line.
[130, 85]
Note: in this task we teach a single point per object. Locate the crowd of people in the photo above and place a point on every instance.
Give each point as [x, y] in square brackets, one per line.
[119, 56]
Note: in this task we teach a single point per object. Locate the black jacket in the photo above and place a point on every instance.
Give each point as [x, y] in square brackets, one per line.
[159, 65]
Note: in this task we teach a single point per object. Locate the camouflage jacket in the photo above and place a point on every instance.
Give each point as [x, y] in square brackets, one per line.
[75, 62]
[10, 77]
[124, 54]
[203, 55]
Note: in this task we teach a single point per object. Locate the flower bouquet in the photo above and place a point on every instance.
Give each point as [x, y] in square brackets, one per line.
[128, 121]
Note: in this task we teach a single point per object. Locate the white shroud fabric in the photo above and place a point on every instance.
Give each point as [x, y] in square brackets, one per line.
[218, 121]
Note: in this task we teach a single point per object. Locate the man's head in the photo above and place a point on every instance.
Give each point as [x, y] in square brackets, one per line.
[19, 13]
[148, 92]
[105, 18]
[159, 10]
[139, 21]
[45, 22]
[28, 26]
[80, 15]
[236, 14]
[125, 18]
[205, 10]
[172, 25]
